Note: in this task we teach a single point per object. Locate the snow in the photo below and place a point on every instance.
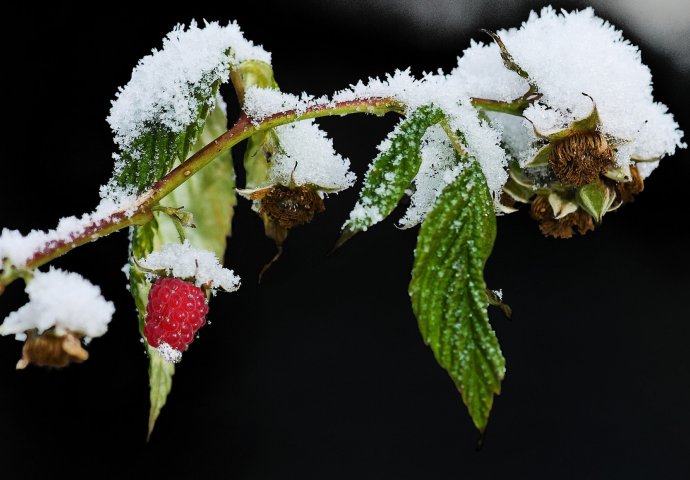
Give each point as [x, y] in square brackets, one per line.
[168, 353]
[18, 248]
[181, 260]
[567, 54]
[482, 142]
[306, 156]
[62, 300]
[260, 103]
[167, 85]
[439, 168]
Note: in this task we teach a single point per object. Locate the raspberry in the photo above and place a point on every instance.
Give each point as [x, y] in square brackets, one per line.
[175, 311]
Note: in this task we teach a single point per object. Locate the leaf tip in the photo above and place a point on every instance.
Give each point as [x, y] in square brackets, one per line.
[346, 235]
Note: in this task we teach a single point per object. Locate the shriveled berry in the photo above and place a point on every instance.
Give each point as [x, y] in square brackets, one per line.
[175, 311]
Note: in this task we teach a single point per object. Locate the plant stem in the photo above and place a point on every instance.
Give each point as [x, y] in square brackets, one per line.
[143, 213]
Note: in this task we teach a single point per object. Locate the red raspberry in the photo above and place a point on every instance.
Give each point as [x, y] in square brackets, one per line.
[176, 310]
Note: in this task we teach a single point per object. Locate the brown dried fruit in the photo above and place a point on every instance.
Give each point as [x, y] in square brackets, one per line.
[563, 227]
[628, 190]
[290, 207]
[581, 158]
[50, 350]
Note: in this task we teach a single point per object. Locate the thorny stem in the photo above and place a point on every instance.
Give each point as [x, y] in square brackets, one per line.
[143, 213]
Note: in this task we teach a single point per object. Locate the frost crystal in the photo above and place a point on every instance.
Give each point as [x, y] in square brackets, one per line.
[63, 300]
[186, 262]
[567, 54]
[306, 156]
[166, 86]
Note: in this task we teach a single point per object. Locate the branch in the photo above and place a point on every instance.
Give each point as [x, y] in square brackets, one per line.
[243, 129]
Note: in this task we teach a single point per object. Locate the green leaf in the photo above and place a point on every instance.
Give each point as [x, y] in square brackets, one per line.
[210, 196]
[160, 384]
[449, 293]
[391, 172]
[153, 154]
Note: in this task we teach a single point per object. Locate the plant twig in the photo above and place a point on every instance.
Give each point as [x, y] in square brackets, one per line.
[243, 129]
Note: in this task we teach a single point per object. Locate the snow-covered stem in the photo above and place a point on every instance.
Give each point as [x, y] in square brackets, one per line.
[243, 129]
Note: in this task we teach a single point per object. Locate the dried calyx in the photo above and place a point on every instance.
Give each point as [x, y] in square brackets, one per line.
[572, 181]
[289, 207]
[52, 350]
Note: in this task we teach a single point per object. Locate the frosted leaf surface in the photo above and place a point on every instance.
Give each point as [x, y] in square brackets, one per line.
[63, 300]
[480, 139]
[186, 262]
[439, 168]
[306, 156]
[18, 248]
[567, 54]
[161, 90]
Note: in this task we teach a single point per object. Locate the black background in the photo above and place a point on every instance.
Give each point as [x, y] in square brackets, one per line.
[321, 372]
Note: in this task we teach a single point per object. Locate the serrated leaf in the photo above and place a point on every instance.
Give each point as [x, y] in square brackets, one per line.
[153, 154]
[449, 293]
[392, 171]
[210, 196]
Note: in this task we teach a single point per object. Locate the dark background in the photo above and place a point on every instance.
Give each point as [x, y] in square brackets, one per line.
[321, 372]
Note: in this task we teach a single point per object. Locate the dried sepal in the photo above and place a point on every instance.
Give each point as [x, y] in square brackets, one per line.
[541, 158]
[561, 206]
[596, 199]
[627, 190]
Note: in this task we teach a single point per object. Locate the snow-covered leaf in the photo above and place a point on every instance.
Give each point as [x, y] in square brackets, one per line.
[449, 293]
[392, 171]
[159, 114]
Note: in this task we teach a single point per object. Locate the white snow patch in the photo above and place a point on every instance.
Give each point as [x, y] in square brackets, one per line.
[62, 300]
[306, 156]
[181, 260]
[166, 85]
[260, 103]
[567, 54]
[18, 248]
[168, 353]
